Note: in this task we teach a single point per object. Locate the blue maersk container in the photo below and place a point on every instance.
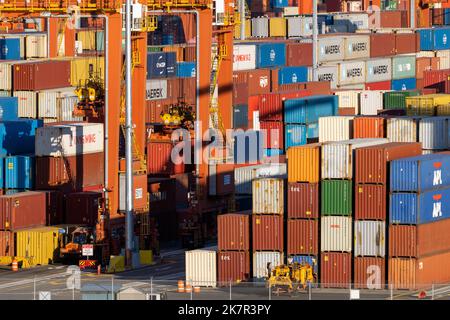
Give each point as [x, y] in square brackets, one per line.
[294, 135]
[8, 108]
[186, 69]
[421, 173]
[248, 146]
[280, 3]
[17, 137]
[288, 75]
[10, 49]
[418, 208]
[161, 65]
[19, 172]
[309, 109]
[270, 55]
[435, 39]
[403, 84]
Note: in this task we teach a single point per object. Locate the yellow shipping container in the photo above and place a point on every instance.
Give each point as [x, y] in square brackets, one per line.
[87, 39]
[36, 46]
[277, 27]
[248, 30]
[425, 105]
[79, 69]
[304, 163]
[39, 245]
[443, 110]
[179, 51]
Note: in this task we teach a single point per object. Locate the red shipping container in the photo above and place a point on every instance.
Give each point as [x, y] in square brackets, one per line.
[335, 270]
[368, 127]
[437, 16]
[422, 64]
[369, 272]
[407, 43]
[370, 202]
[42, 75]
[299, 54]
[267, 233]
[160, 155]
[346, 111]
[316, 88]
[372, 162]
[23, 210]
[253, 105]
[187, 91]
[258, 80]
[388, 47]
[233, 266]
[303, 236]
[140, 199]
[6, 243]
[154, 108]
[82, 208]
[434, 77]
[402, 241]
[303, 200]
[233, 232]
[274, 134]
[240, 93]
[392, 19]
[74, 173]
[383, 85]
[270, 107]
[55, 207]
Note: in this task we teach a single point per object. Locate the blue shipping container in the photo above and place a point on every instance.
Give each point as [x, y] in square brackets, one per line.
[186, 69]
[273, 152]
[271, 55]
[295, 135]
[161, 65]
[8, 108]
[311, 260]
[2, 173]
[13, 191]
[309, 109]
[10, 49]
[19, 172]
[280, 3]
[312, 131]
[248, 146]
[171, 58]
[418, 208]
[447, 17]
[442, 38]
[288, 75]
[403, 84]
[419, 174]
[240, 116]
[426, 39]
[17, 137]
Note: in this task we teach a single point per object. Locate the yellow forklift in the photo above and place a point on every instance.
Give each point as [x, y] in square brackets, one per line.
[293, 277]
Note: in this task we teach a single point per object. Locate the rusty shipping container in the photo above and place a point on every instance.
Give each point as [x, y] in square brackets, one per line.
[335, 270]
[407, 43]
[160, 153]
[233, 266]
[258, 80]
[267, 233]
[303, 200]
[372, 162]
[370, 202]
[299, 54]
[73, 173]
[23, 210]
[7, 243]
[369, 272]
[303, 237]
[388, 47]
[82, 208]
[369, 127]
[233, 232]
[41, 75]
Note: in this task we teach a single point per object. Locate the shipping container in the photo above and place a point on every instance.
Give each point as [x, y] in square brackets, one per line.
[186, 69]
[369, 272]
[270, 55]
[8, 108]
[300, 110]
[23, 210]
[288, 75]
[27, 104]
[420, 173]
[403, 240]
[268, 196]
[201, 268]
[277, 27]
[370, 238]
[426, 104]
[161, 65]
[10, 49]
[40, 245]
[397, 100]
[349, 99]
[303, 237]
[41, 75]
[19, 172]
[36, 46]
[248, 146]
[139, 192]
[82, 208]
[378, 70]
[6, 76]
[404, 84]
[369, 127]
[65, 108]
[385, 50]
[418, 208]
[260, 27]
[267, 233]
[336, 197]
[326, 73]
[336, 128]
[244, 57]
[351, 73]
[233, 232]
[357, 47]
[331, 49]
[20, 136]
[220, 179]
[335, 270]
[7, 244]
[434, 133]
[353, 21]
[295, 135]
[262, 259]
[370, 202]
[371, 102]
[232, 267]
[274, 133]
[403, 67]
[80, 67]
[298, 54]
[244, 175]
[372, 162]
[304, 163]
[335, 234]
[406, 43]
[303, 200]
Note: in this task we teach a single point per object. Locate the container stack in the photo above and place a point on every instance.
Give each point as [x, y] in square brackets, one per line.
[267, 225]
[233, 256]
[419, 246]
[303, 209]
[371, 193]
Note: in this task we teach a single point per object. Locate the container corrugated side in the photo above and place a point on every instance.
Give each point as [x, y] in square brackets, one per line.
[336, 128]
[336, 197]
[65, 108]
[27, 104]
[267, 232]
[336, 234]
[335, 270]
[243, 176]
[244, 57]
[260, 27]
[348, 99]
[260, 260]
[5, 76]
[201, 268]
[370, 201]
[303, 163]
[370, 238]
[268, 196]
[331, 49]
[233, 232]
[371, 102]
[303, 237]
[7, 244]
[303, 200]
[402, 129]
[36, 46]
[378, 70]
[19, 172]
[434, 133]
[352, 73]
[357, 47]
[403, 241]
[369, 272]
[233, 267]
[368, 127]
[326, 73]
[403, 67]
[40, 245]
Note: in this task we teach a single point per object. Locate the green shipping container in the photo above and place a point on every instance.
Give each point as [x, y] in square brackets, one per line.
[397, 99]
[403, 67]
[389, 5]
[336, 197]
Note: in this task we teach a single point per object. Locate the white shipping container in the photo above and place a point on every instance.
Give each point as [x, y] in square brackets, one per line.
[336, 28]
[357, 47]
[66, 106]
[353, 21]
[243, 176]
[244, 57]
[336, 234]
[260, 260]
[156, 89]
[48, 101]
[444, 59]
[335, 128]
[260, 27]
[36, 46]
[426, 54]
[370, 238]
[331, 49]
[348, 99]
[378, 70]
[201, 268]
[370, 102]
[268, 196]
[337, 157]
[294, 27]
[326, 73]
[352, 72]
[402, 129]
[434, 133]
[69, 140]
[5, 77]
[27, 104]
[359, 87]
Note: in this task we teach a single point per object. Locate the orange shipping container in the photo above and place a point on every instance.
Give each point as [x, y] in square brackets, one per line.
[369, 127]
[369, 272]
[370, 202]
[6, 243]
[304, 163]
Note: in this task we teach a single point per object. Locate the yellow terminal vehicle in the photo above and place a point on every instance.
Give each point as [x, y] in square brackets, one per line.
[292, 277]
